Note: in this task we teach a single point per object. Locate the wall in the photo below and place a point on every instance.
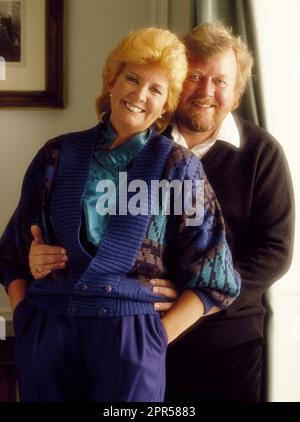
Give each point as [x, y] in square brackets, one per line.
[279, 55]
[92, 28]
[180, 16]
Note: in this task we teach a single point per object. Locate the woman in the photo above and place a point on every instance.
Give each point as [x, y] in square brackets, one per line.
[90, 332]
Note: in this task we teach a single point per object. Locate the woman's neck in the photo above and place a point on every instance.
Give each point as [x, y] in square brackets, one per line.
[120, 139]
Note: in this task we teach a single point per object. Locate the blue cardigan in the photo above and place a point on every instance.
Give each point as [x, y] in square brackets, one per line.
[133, 250]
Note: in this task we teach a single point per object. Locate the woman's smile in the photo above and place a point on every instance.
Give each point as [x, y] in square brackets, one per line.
[133, 108]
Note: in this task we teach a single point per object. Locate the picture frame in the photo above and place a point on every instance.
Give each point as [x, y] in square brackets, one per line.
[52, 94]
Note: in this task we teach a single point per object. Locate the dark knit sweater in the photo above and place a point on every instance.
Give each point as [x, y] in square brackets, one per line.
[253, 186]
[133, 250]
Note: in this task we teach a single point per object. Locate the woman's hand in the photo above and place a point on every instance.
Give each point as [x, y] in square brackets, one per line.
[188, 309]
[165, 288]
[44, 258]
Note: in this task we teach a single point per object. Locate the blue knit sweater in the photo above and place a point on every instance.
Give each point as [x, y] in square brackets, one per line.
[134, 249]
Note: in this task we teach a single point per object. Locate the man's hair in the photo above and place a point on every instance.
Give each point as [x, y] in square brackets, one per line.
[147, 46]
[211, 39]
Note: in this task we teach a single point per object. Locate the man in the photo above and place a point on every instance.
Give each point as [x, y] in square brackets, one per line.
[248, 172]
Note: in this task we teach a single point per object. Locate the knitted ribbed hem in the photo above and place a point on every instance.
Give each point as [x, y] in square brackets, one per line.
[207, 301]
[100, 307]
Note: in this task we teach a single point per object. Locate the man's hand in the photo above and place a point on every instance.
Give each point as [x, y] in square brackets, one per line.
[44, 258]
[165, 288]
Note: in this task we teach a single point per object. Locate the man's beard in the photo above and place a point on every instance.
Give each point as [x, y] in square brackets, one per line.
[199, 120]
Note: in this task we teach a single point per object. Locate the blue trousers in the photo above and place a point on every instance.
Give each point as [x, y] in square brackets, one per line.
[62, 358]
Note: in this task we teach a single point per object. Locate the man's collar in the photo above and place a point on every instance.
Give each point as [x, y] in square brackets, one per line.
[228, 133]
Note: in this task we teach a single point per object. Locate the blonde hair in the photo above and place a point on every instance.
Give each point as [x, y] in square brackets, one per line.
[210, 39]
[147, 46]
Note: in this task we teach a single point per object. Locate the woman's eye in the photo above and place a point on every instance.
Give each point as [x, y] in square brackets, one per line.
[131, 79]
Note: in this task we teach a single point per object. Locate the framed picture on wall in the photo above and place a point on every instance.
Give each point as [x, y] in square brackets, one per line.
[31, 53]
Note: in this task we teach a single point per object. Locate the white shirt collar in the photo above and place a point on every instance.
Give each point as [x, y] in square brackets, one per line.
[228, 132]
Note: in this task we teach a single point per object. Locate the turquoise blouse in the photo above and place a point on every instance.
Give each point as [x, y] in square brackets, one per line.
[106, 165]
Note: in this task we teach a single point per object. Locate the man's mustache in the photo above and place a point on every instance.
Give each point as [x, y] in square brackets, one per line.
[204, 101]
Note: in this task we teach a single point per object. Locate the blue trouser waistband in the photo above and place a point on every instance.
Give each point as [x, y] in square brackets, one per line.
[92, 306]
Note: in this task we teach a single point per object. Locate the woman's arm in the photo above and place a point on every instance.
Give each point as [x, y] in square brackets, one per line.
[17, 290]
[35, 194]
[186, 311]
[201, 262]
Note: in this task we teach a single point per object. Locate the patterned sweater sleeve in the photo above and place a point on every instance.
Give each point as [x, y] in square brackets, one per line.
[16, 239]
[205, 261]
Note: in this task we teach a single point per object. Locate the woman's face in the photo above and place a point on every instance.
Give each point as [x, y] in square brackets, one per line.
[138, 97]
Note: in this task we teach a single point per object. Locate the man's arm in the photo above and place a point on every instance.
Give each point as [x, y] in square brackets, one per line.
[49, 258]
[267, 251]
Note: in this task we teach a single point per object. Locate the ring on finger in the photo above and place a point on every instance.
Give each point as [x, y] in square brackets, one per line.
[37, 269]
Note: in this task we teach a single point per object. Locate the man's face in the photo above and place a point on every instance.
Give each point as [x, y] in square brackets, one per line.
[209, 92]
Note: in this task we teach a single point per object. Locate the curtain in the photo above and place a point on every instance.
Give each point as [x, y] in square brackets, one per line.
[237, 14]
